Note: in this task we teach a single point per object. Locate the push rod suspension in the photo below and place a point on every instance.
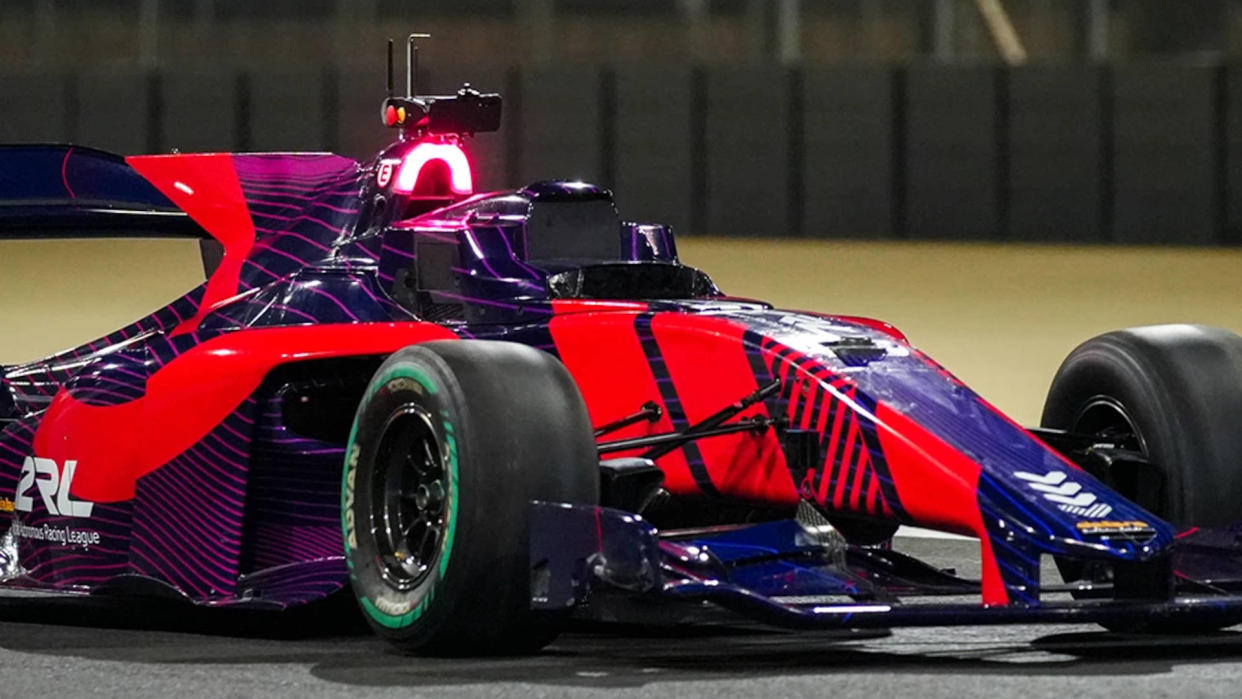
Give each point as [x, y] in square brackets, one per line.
[711, 426]
[654, 441]
[715, 420]
[650, 411]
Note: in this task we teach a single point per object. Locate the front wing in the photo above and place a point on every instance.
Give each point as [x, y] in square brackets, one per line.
[800, 574]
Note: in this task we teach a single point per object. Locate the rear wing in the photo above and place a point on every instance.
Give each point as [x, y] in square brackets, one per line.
[67, 191]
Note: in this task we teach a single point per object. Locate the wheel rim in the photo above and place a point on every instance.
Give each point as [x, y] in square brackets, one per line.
[408, 497]
[1107, 420]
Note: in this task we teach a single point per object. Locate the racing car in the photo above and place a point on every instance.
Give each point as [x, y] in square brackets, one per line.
[482, 414]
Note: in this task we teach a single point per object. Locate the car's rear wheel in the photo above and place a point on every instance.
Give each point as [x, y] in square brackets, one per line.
[1172, 393]
[451, 442]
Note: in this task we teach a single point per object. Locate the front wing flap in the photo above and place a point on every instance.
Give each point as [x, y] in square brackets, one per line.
[786, 574]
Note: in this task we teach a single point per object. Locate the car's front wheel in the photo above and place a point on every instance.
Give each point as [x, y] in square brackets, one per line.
[1172, 393]
[451, 442]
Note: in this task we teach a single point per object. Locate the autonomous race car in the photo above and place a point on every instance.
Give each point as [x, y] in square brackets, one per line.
[486, 413]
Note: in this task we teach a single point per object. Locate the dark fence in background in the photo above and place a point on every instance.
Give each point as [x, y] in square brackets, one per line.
[1133, 153]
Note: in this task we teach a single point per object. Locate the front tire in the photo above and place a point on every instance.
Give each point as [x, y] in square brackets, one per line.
[1173, 393]
[451, 442]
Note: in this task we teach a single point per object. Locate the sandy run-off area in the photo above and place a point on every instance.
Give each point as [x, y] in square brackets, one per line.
[1000, 316]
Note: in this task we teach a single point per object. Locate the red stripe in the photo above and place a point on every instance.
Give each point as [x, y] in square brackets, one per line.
[805, 422]
[795, 393]
[825, 407]
[874, 499]
[829, 467]
[843, 474]
[860, 469]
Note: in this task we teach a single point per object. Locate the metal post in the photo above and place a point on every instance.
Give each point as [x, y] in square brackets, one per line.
[789, 32]
[944, 29]
[342, 28]
[694, 14]
[1008, 43]
[539, 16]
[45, 21]
[203, 21]
[757, 27]
[366, 13]
[353, 18]
[204, 14]
[1097, 30]
[148, 33]
[871, 17]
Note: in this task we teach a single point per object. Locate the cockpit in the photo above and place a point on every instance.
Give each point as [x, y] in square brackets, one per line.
[447, 254]
[548, 241]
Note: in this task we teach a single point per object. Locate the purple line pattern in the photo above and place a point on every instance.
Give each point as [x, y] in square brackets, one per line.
[293, 503]
[188, 514]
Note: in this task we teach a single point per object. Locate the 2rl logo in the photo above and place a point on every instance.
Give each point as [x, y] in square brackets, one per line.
[1068, 495]
[53, 485]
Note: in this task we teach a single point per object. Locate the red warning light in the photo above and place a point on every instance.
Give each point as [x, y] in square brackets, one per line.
[390, 115]
[460, 179]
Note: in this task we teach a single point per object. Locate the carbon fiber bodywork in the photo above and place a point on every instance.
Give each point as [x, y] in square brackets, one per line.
[197, 452]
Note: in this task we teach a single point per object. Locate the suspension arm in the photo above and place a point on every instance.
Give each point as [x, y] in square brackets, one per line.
[711, 426]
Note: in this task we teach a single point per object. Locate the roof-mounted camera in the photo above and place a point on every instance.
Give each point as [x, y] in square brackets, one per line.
[466, 112]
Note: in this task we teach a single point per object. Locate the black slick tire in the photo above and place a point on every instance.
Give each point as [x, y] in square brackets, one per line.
[451, 442]
[1177, 389]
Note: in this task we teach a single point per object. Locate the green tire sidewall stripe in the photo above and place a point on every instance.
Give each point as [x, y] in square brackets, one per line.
[404, 371]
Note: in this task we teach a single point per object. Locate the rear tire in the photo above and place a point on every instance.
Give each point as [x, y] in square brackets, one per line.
[451, 442]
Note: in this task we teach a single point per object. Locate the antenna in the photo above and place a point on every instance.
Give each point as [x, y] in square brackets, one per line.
[390, 89]
[411, 63]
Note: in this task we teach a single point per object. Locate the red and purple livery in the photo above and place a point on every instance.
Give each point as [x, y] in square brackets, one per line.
[198, 452]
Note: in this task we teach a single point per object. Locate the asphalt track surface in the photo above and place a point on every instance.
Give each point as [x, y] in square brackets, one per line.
[67, 649]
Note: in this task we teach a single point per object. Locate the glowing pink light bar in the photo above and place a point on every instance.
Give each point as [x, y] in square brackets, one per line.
[460, 179]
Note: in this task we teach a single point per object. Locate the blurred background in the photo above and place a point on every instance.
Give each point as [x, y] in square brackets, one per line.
[999, 178]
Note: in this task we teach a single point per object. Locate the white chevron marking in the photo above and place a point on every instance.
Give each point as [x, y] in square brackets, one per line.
[1054, 478]
[1095, 512]
[1070, 496]
[1080, 500]
[1070, 488]
[1100, 510]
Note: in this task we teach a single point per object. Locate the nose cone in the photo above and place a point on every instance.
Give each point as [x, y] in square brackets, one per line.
[944, 457]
